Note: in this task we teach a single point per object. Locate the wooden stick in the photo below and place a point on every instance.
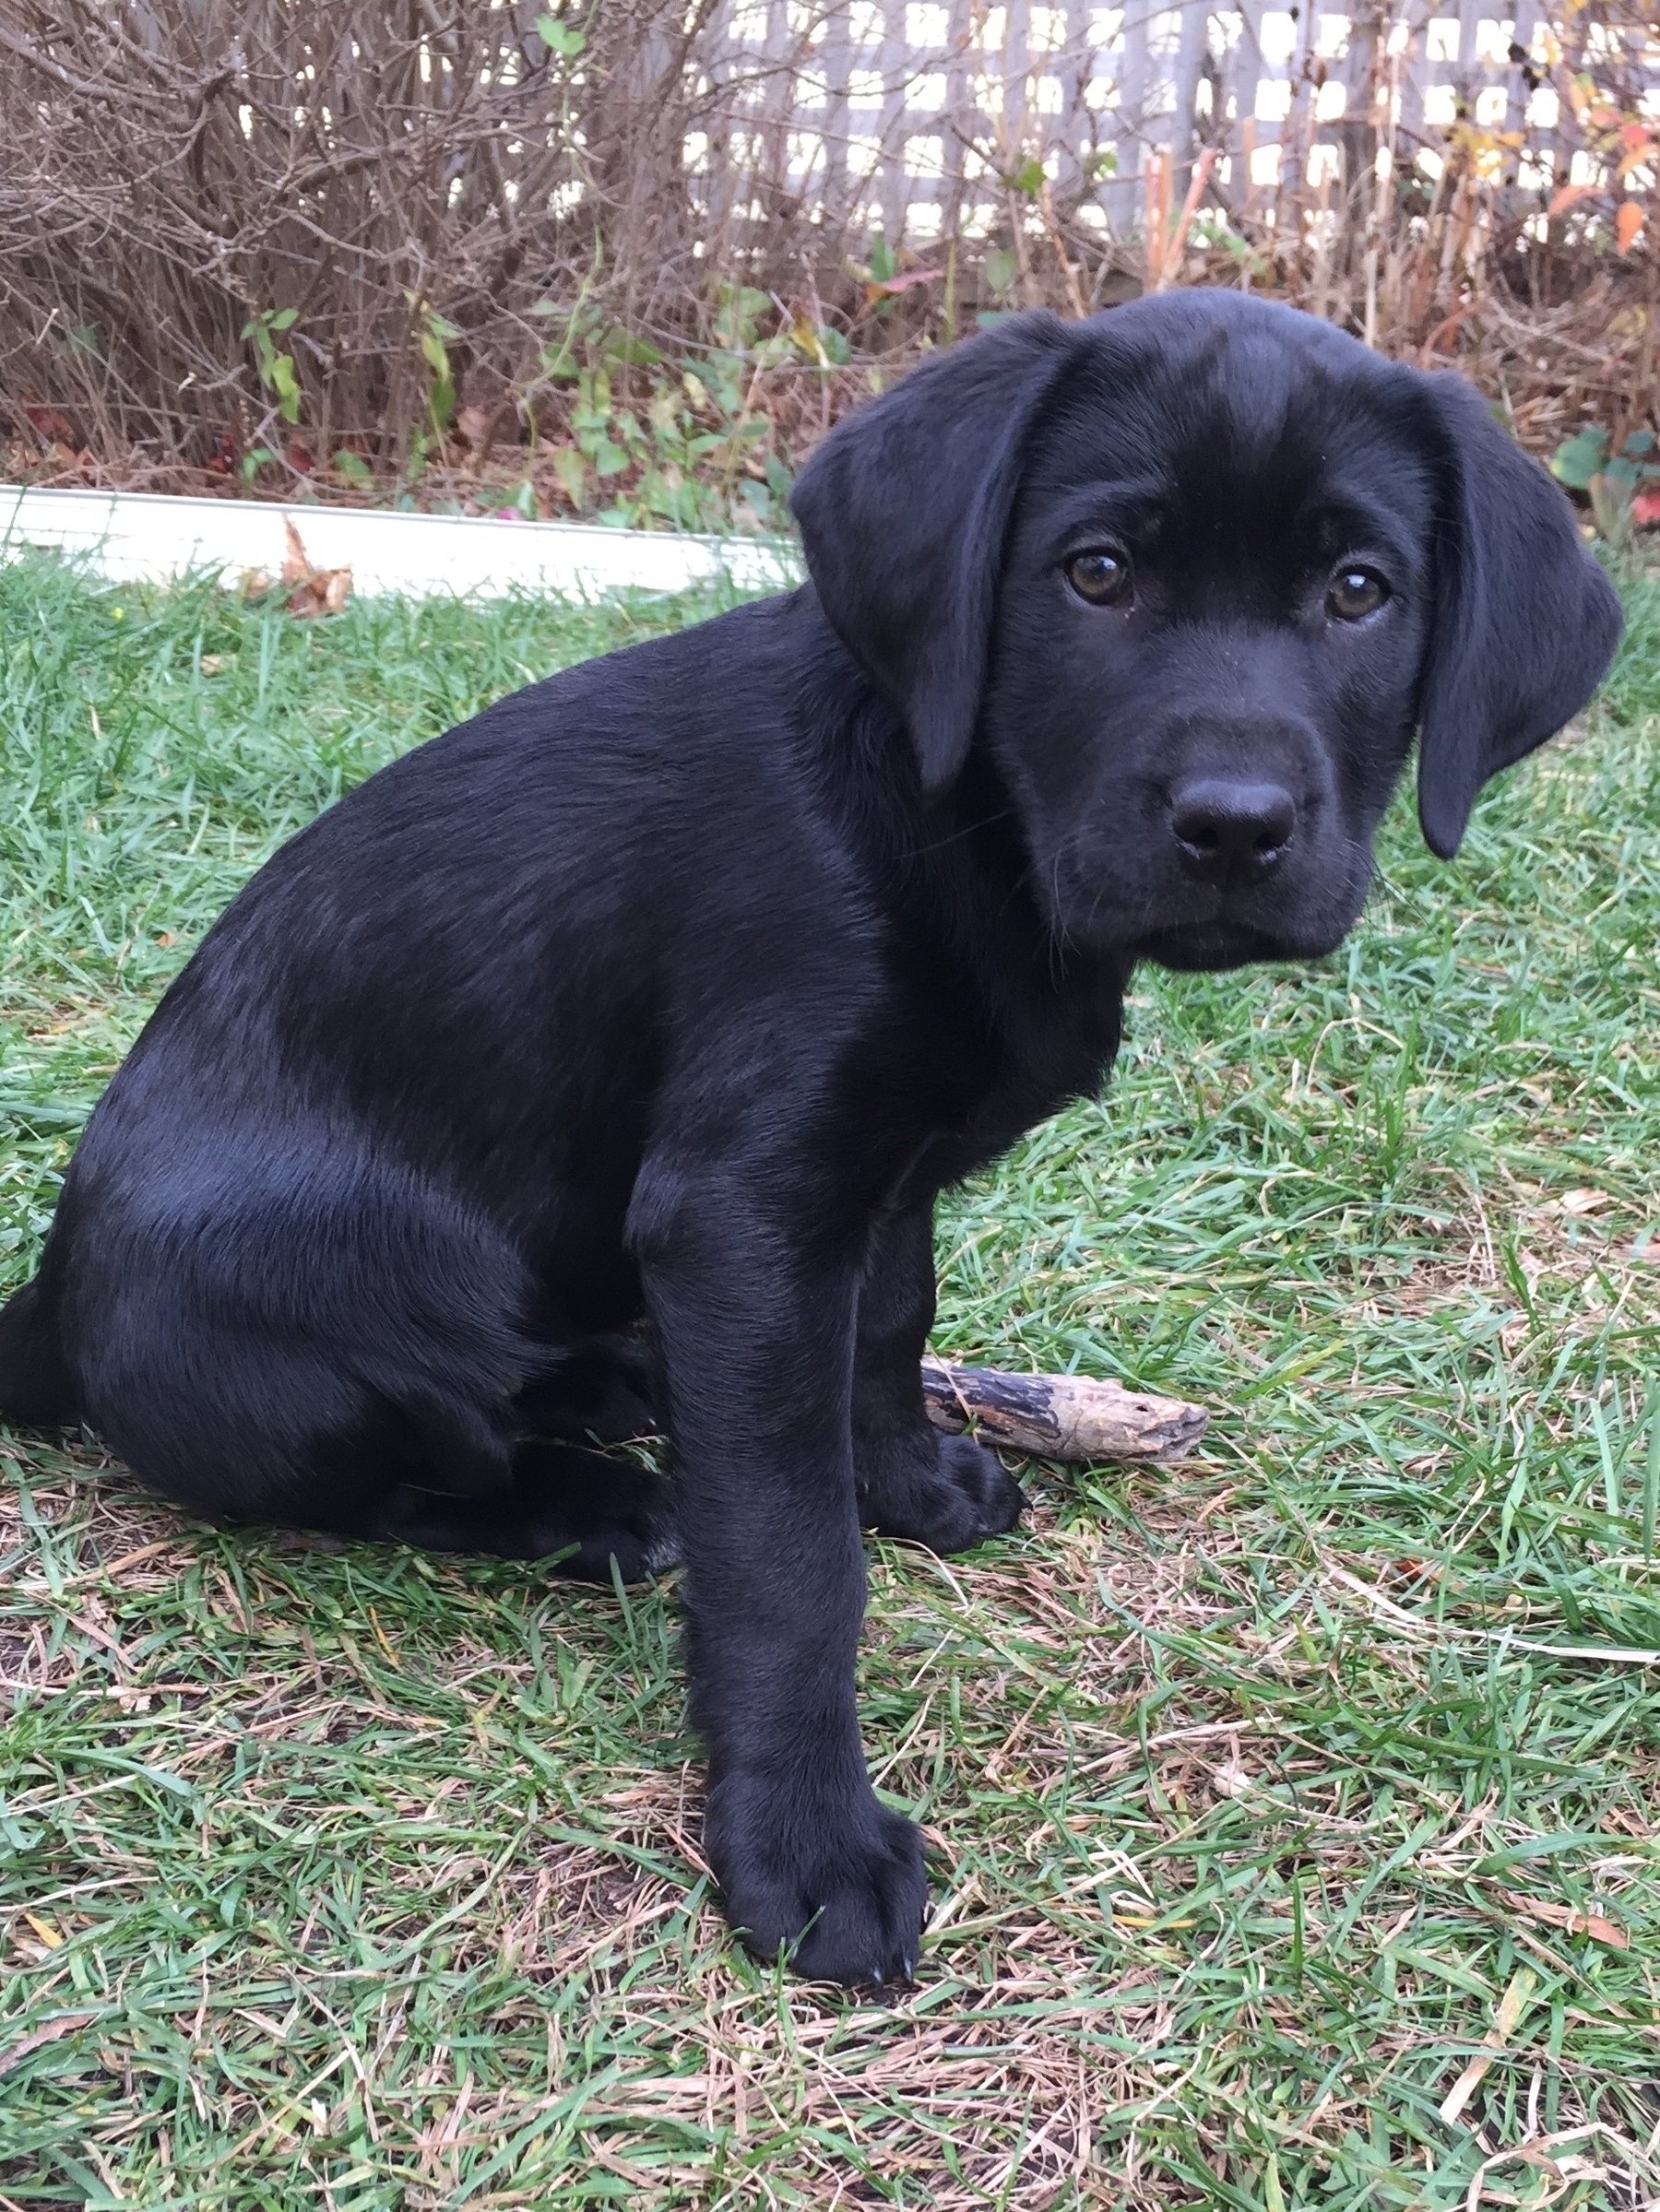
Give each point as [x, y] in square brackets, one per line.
[1062, 1416]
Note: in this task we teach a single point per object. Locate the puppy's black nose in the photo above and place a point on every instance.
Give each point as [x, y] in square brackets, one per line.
[1231, 834]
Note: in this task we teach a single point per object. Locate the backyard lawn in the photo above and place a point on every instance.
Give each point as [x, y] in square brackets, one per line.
[1294, 1814]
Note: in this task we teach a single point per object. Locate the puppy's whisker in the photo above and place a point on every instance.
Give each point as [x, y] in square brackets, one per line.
[971, 829]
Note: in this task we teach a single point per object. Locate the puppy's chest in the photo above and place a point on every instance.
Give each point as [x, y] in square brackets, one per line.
[1004, 1078]
[1024, 1099]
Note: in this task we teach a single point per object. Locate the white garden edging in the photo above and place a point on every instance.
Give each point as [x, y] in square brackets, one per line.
[150, 538]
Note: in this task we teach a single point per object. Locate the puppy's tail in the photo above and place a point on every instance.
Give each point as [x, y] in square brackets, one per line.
[36, 1388]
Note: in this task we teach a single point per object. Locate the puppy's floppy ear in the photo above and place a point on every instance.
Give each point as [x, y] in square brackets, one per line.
[903, 511]
[1525, 623]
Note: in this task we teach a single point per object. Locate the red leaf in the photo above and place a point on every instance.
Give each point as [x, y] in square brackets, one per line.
[48, 421]
[902, 284]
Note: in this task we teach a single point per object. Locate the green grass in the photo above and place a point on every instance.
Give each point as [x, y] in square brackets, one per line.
[353, 1878]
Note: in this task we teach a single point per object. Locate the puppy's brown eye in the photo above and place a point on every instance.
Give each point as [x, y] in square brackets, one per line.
[1355, 593]
[1101, 577]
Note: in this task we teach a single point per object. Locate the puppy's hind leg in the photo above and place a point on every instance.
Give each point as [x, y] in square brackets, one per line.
[596, 1386]
[447, 1479]
[36, 1388]
[362, 1383]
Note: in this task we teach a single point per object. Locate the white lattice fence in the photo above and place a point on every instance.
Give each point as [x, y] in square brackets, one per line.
[911, 117]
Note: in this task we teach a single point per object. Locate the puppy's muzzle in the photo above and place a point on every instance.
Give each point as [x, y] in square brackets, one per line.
[1230, 834]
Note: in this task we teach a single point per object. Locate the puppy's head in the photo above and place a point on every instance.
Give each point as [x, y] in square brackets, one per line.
[1193, 575]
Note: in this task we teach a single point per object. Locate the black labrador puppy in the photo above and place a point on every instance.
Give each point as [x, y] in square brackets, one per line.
[671, 991]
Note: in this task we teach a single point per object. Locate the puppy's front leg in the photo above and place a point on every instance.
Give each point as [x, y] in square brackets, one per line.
[755, 1337]
[945, 1491]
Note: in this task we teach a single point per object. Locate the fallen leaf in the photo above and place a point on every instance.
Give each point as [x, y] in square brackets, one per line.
[14, 2053]
[50, 423]
[297, 567]
[326, 591]
[312, 591]
[213, 662]
[51, 1937]
[1583, 1202]
[1569, 1918]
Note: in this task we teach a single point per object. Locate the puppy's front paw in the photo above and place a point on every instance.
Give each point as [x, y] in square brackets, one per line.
[838, 1888]
[951, 1494]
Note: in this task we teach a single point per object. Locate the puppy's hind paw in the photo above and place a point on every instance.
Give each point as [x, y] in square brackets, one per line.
[621, 1518]
[596, 1519]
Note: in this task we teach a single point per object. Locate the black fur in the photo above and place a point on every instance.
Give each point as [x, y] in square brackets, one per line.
[668, 994]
